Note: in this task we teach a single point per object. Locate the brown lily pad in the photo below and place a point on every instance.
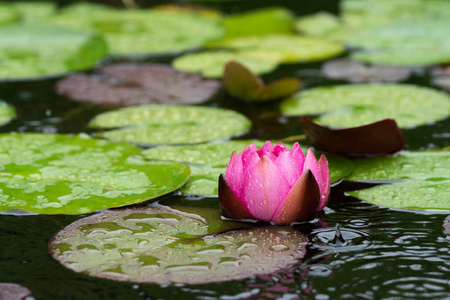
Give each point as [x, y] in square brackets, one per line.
[138, 84]
[441, 77]
[243, 83]
[12, 291]
[353, 71]
[376, 138]
[446, 227]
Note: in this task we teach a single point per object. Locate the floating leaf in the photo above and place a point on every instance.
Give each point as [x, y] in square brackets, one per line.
[423, 165]
[263, 21]
[241, 82]
[318, 24]
[409, 195]
[211, 64]
[34, 11]
[166, 246]
[165, 124]
[57, 174]
[285, 48]
[356, 105]
[208, 161]
[8, 14]
[415, 43]
[446, 226]
[142, 31]
[353, 71]
[7, 112]
[137, 84]
[32, 50]
[377, 138]
[12, 291]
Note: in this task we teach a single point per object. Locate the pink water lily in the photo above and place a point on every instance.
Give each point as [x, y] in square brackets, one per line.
[274, 184]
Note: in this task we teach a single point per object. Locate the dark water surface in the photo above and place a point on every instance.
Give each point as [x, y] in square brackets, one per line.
[357, 250]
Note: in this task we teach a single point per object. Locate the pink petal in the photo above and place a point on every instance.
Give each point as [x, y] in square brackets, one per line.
[290, 168]
[323, 182]
[235, 175]
[279, 148]
[248, 150]
[266, 149]
[265, 188]
[301, 202]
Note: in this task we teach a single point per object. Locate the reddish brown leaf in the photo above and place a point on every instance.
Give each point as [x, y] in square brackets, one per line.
[241, 82]
[377, 138]
[137, 84]
[301, 203]
[229, 204]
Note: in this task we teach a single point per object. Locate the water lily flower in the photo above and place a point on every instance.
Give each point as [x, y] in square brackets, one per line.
[274, 184]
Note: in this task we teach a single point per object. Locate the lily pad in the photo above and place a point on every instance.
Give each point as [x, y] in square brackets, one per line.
[208, 161]
[286, 48]
[166, 124]
[241, 82]
[8, 14]
[423, 165]
[269, 20]
[446, 226]
[143, 31]
[7, 112]
[418, 195]
[415, 43]
[34, 11]
[166, 246]
[32, 50]
[353, 71]
[57, 174]
[12, 291]
[212, 63]
[356, 105]
[137, 84]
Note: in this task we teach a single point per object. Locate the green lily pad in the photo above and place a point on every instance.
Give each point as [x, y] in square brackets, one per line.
[408, 195]
[262, 21]
[7, 112]
[356, 105]
[166, 124]
[162, 245]
[57, 174]
[143, 31]
[8, 14]
[424, 165]
[211, 64]
[32, 50]
[318, 24]
[415, 43]
[34, 11]
[208, 161]
[285, 48]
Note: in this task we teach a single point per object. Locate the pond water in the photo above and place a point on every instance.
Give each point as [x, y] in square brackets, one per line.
[357, 250]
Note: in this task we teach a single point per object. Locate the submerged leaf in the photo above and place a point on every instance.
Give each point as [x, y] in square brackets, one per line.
[162, 245]
[357, 105]
[166, 124]
[353, 71]
[241, 82]
[137, 84]
[377, 138]
[7, 112]
[57, 174]
[421, 195]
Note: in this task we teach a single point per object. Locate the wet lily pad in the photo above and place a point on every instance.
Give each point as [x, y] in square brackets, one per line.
[415, 43]
[356, 105]
[423, 165]
[32, 50]
[137, 84]
[166, 124]
[446, 226]
[212, 63]
[143, 31]
[12, 291]
[269, 20]
[8, 14]
[166, 246]
[34, 11]
[57, 174]
[241, 82]
[420, 195]
[208, 161]
[353, 71]
[7, 112]
[318, 24]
